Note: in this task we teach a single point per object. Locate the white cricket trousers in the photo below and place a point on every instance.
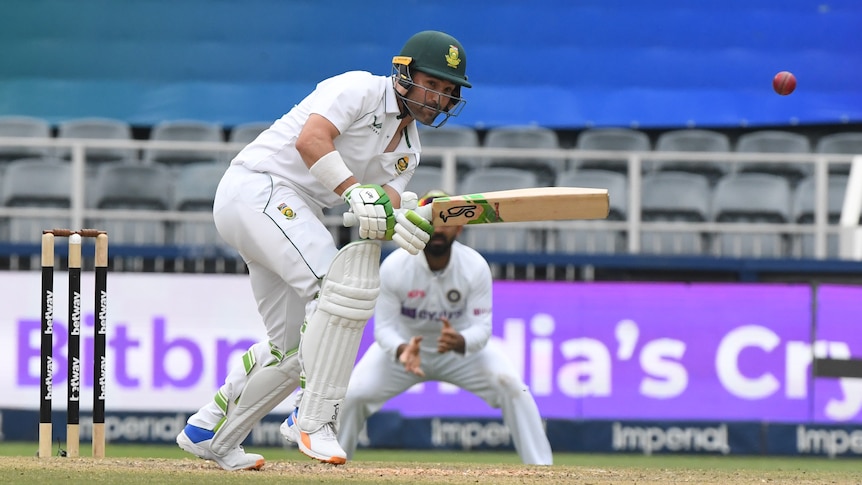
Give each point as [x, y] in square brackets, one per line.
[378, 377]
[287, 249]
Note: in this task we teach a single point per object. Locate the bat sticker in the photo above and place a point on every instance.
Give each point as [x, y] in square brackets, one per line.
[465, 210]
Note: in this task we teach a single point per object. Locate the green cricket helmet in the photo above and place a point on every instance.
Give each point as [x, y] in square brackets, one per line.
[436, 54]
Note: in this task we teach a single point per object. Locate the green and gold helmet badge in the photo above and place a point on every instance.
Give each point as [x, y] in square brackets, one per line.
[452, 59]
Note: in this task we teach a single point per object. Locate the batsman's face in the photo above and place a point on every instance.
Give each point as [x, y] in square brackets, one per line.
[429, 96]
[441, 240]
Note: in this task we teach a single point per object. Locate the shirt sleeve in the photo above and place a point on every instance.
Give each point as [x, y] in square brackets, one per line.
[344, 99]
[387, 311]
[478, 309]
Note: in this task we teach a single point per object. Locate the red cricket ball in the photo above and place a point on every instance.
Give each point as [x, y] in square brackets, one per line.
[784, 83]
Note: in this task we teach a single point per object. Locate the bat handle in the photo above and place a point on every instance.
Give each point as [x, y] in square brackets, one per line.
[349, 218]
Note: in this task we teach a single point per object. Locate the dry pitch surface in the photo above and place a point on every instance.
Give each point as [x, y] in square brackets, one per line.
[30, 470]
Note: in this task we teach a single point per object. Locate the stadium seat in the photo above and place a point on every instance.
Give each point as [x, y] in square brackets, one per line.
[804, 210]
[775, 141]
[691, 140]
[849, 143]
[610, 139]
[184, 130]
[36, 182]
[425, 179]
[126, 186]
[523, 137]
[754, 198]
[450, 136]
[23, 127]
[678, 197]
[594, 241]
[97, 129]
[500, 237]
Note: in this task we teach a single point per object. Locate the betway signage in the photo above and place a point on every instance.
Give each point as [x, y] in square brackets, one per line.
[587, 350]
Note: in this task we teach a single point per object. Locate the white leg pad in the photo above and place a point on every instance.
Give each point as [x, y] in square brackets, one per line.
[266, 388]
[331, 335]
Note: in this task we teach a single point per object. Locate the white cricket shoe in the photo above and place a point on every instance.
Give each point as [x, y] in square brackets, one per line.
[322, 445]
[198, 441]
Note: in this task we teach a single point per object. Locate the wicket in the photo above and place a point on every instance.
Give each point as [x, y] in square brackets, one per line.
[74, 341]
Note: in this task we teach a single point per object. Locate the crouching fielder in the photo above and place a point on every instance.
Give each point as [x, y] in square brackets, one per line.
[432, 322]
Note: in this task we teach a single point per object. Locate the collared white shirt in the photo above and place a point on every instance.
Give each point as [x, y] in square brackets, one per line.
[413, 298]
[364, 108]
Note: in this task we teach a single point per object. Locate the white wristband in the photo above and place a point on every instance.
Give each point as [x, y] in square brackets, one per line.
[330, 170]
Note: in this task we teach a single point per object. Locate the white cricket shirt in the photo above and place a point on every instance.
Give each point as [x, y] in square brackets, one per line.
[413, 298]
[364, 108]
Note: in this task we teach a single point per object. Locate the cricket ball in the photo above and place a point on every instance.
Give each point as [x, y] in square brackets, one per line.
[784, 83]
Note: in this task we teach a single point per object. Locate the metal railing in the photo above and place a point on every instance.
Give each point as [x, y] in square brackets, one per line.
[632, 227]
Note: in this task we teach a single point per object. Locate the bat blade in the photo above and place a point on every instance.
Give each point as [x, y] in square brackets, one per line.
[521, 205]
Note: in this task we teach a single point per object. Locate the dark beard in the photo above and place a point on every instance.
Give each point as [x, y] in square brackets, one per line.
[438, 246]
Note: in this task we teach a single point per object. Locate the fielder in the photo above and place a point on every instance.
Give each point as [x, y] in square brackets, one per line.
[432, 322]
[353, 139]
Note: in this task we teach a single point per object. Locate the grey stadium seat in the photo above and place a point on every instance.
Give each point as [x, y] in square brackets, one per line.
[678, 197]
[36, 182]
[848, 143]
[23, 127]
[133, 187]
[595, 241]
[775, 141]
[97, 129]
[503, 237]
[425, 179]
[804, 207]
[610, 139]
[450, 136]
[527, 136]
[691, 140]
[754, 198]
[184, 130]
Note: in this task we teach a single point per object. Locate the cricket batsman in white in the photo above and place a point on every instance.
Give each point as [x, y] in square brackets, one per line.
[353, 139]
[432, 322]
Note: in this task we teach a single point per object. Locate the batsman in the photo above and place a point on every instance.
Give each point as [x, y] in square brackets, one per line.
[353, 139]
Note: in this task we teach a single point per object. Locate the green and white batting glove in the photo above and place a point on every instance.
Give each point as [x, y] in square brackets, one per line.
[412, 231]
[373, 210]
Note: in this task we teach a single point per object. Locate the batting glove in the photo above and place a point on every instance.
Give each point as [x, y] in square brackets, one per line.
[373, 210]
[412, 231]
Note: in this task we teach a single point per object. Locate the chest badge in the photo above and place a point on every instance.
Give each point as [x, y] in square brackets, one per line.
[286, 211]
[401, 164]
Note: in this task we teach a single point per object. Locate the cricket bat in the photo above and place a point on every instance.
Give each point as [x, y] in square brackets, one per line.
[516, 205]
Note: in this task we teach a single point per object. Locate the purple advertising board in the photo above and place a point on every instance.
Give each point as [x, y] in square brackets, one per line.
[669, 351]
[838, 336]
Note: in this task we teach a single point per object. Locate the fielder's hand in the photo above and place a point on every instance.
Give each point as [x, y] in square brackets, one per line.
[409, 357]
[373, 209]
[450, 339]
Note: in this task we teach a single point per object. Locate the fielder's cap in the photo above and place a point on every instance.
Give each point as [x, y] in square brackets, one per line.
[431, 195]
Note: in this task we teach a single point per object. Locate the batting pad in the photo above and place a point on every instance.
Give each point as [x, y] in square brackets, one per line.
[331, 335]
[265, 389]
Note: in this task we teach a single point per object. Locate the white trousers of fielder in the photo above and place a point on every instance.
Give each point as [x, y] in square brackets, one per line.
[378, 377]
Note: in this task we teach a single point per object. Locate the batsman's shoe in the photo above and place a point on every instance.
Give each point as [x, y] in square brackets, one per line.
[198, 441]
[322, 445]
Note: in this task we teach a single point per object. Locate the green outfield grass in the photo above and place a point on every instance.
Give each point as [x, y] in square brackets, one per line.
[168, 464]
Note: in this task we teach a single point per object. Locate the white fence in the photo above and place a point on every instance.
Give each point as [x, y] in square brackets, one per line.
[848, 230]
